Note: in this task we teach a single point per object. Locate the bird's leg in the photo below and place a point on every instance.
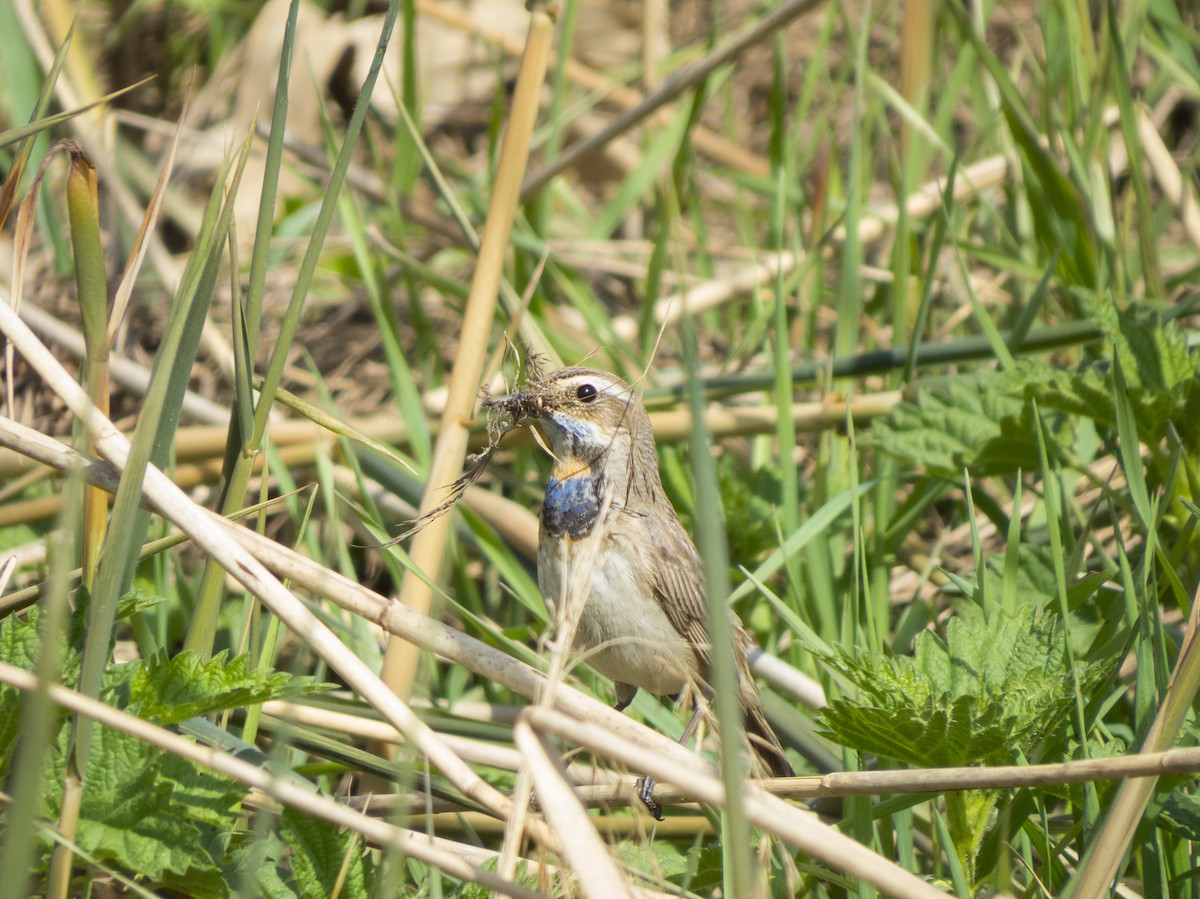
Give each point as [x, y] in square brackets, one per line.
[646, 784]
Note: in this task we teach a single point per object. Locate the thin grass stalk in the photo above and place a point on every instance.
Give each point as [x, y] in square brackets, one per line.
[18, 843]
[92, 294]
[589, 858]
[60, 19]
[156, 425]
[514, 304]
[111, 576]
[785, 428]
[202, 632]
[429, 545]
[251, 314]
[556, 122]
[736, 847]
[12, 183]
[1106, 855]
[1130, 130]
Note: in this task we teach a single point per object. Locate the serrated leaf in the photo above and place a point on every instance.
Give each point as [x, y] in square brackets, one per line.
[981, 424]
[170, 690]
[991, 691]
[131, 816]
[20, 645]
[202, 796]
[936, 733]
[1161, 377]
[19, 639]
[657, 860]
[319, 852]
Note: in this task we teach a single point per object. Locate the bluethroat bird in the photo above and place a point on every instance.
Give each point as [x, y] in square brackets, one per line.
[611, 541]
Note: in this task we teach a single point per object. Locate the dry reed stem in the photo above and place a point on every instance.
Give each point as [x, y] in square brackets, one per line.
[380, 833]
[677, 83]
[584, 849]
[208, 531]
[429, 545]
[799, 828]
[923, 202]
[1179, 193]
[937, 780]
[1107, 851]
[125, 372]
[708, 142]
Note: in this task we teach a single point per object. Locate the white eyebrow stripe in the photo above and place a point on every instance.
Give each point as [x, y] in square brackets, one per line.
[604, 386]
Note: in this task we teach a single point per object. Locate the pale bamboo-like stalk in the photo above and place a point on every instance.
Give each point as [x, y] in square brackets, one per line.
[585, 850]
[429, 545]
[1106, 853]
[797, 827]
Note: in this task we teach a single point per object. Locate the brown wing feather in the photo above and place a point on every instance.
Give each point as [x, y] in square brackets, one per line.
[677, 583]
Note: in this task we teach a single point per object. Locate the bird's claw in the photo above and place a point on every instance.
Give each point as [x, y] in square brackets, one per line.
[646, 794]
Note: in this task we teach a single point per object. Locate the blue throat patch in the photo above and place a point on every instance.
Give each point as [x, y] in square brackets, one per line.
[572, 506]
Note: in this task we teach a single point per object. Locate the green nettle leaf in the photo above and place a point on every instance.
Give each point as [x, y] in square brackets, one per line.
[1163, 378]
[983, 423]
[992, 690]
[170, 690]
[320, 853]
[978, 423]
[135, 813]
[20, 642]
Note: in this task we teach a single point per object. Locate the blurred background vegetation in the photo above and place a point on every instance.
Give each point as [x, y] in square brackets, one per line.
[928, 270]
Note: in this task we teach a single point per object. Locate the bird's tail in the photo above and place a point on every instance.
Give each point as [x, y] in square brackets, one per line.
[766, 744]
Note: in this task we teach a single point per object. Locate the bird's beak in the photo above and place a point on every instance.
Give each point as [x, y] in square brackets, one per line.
[519, 405]
[522, 406]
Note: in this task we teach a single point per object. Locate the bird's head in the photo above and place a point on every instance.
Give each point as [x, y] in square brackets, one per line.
[582, 413]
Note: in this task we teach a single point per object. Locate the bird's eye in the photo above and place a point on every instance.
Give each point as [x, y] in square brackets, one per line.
[586, 392]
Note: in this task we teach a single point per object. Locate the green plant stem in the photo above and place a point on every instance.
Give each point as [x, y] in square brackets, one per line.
[877, 362]
[710, 540]
[203, 630]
